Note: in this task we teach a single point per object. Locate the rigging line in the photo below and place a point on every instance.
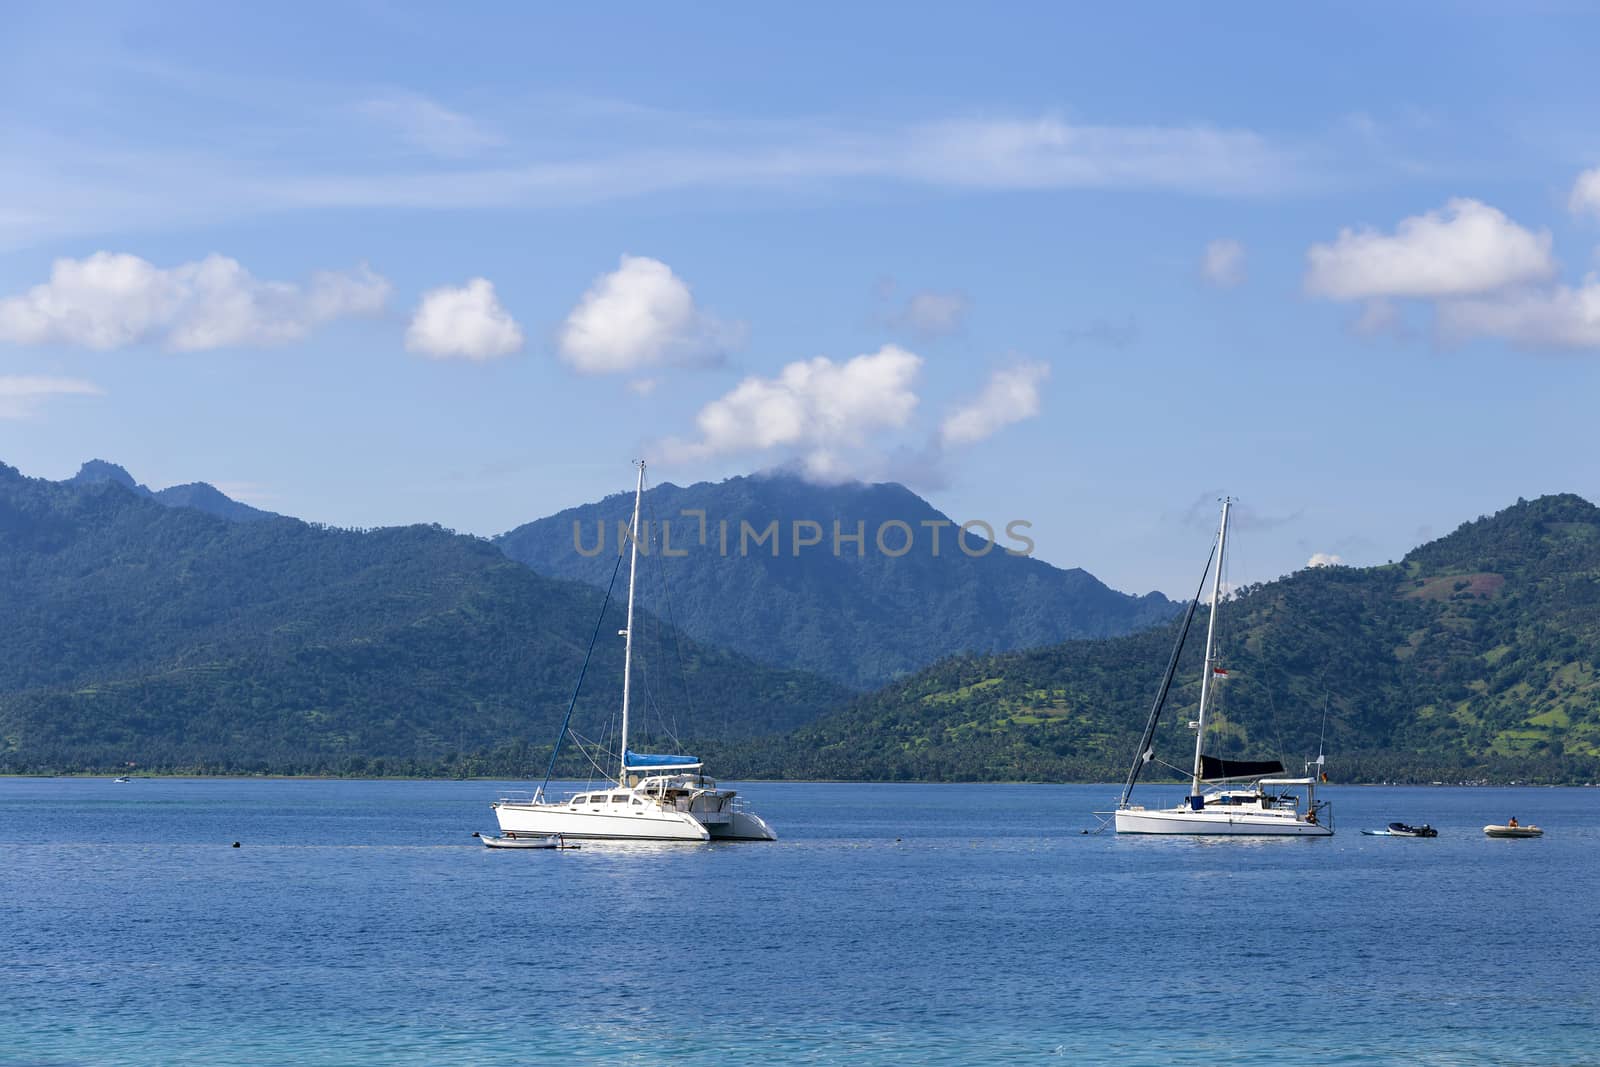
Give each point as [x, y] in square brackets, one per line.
[677, 644]
[582, 744]
[1277, 729]
[604, 744]
[1181, 772]
[1322, 735]
[573, 703]
[1145, 752]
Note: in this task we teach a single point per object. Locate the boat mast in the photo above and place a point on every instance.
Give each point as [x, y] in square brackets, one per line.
[1211, 632]
[627, 648]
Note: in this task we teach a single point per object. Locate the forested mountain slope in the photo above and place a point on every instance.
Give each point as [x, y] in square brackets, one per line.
[1475, 656]
[135, 632]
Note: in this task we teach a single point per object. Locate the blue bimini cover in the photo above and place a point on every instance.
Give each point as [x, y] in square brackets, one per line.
[639, 759]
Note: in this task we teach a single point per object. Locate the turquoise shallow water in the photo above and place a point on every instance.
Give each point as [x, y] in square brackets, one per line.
[360, 924]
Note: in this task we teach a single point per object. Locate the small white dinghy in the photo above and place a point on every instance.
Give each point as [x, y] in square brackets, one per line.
[1494, 830]
[512, 840]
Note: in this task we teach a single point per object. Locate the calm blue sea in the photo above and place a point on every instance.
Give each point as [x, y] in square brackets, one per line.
[360, 924]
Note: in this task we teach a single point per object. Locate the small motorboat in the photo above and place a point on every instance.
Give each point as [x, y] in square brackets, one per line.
[121, 780]
[512, 840]
[1400, 829]
[1495, 830]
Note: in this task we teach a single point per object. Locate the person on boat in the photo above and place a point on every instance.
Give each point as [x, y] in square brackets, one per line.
[1512, 822]
[1311, 816]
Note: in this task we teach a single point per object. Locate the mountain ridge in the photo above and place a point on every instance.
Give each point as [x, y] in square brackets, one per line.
[199, 496]
[859, 582]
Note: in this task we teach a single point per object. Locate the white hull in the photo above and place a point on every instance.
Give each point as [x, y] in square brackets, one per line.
[1235, 823]
[650, 824]
[643, 824]
[742, 826]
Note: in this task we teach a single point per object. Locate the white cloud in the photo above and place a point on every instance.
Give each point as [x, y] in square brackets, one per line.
[1467, 248]
[1048, 152]
[463, 323]
[1379, 317]
[933, 314]
[1325, 559]
[1011, 395]
[303, 154]
[816, 407]
[1585, 198]
[429, 125]
[1561, 317]
[641, 315]
[1223, 263]
[112, 300]
[21, 395]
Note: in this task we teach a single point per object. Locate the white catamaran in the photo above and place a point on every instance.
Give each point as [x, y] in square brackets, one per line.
[654, 797]
[1266, 805]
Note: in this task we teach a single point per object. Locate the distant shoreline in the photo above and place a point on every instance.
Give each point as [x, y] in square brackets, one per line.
[163, 776]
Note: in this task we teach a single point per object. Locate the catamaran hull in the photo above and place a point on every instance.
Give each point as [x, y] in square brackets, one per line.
[1239, 824]
[533, 820]
[741, 826]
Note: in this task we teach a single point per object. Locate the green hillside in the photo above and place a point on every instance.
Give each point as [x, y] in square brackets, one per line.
[862, 616]
[135, 632]
[1477, 656]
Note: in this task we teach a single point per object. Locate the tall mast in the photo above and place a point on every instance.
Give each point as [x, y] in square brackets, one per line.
[1211, 633]
[627, 648]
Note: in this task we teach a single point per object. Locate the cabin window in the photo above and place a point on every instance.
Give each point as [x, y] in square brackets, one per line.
[619, 798]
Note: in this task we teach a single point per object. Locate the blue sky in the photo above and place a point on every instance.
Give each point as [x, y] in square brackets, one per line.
[1090, 268]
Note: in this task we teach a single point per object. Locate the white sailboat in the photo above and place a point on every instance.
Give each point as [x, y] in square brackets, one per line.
[654, 797]
[1263, 804]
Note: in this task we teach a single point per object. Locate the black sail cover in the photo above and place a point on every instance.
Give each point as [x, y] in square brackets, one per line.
[1213, 769]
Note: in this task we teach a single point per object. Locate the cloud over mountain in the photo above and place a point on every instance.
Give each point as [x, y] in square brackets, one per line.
[816, 407]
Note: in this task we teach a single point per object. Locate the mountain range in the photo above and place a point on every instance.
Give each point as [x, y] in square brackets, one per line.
[172, 631]
[859, 583]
